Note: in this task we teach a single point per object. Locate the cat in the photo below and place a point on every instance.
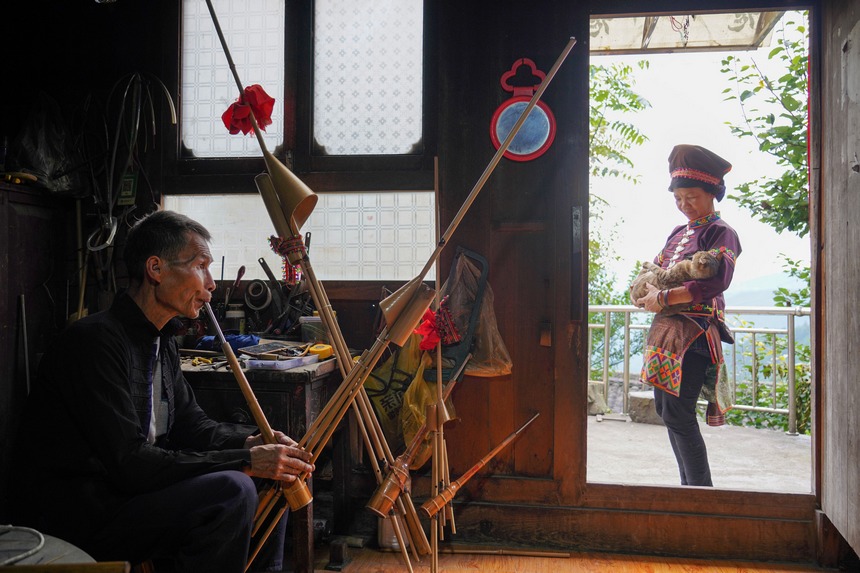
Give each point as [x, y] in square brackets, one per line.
[703, 265]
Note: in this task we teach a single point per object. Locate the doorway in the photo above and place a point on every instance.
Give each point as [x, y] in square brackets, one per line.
[731, 83]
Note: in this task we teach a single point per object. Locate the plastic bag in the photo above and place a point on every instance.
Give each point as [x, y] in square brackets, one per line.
[413, 415]
[490, 356]
[387, 384]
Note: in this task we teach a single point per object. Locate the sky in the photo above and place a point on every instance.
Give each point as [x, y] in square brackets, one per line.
[688, 106]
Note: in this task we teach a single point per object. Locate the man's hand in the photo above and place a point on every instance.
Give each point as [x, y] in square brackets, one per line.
[280, 438]
[282, 461]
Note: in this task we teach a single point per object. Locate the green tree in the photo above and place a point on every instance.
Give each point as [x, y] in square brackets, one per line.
[613, 100]
[775, 114]
[611, 135]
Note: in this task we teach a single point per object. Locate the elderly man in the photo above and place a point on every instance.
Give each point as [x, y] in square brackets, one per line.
[114, 453]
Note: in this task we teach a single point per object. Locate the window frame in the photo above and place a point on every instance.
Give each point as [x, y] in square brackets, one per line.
[191, 175]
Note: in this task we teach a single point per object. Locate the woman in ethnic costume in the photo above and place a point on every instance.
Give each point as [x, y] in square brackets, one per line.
[683, 356]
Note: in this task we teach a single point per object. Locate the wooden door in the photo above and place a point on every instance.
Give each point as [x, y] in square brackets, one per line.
[835, 209]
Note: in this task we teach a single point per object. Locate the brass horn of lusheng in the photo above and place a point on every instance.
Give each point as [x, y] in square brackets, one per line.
[297, 200]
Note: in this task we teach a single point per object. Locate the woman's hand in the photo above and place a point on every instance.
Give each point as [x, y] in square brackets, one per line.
[649, 302]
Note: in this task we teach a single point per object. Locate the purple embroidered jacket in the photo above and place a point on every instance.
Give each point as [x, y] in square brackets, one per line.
[709, 233]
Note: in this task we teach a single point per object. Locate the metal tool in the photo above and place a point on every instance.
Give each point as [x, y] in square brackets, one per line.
[277, 293]
[235, 286]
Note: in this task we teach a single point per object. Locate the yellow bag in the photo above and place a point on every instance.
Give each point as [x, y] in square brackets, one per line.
[387, 384]
[413, 415]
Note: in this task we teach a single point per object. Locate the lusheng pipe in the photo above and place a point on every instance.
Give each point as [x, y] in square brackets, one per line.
[297, 494]
[398, 479]
[289, 202]
[432, 506]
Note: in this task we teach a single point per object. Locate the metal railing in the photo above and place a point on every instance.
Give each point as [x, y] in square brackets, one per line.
[739, 362]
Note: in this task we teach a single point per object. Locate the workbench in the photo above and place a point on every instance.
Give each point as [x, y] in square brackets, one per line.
[291, 400]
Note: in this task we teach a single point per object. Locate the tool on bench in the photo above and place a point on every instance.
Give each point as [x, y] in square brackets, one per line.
[214, 365]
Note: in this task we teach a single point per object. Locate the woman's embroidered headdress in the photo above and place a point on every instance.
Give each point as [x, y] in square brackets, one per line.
[695, 166]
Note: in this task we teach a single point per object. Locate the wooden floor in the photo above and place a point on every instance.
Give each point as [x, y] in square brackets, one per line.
[375, 561]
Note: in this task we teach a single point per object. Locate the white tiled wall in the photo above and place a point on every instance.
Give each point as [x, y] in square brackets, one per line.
[354, 236]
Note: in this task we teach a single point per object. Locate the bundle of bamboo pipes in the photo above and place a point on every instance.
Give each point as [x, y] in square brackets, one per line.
[289, 202]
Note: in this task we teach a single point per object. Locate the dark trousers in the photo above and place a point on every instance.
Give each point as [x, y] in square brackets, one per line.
[199, 524]
[679, 416]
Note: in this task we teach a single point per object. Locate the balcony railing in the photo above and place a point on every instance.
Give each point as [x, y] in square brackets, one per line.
[742, 358]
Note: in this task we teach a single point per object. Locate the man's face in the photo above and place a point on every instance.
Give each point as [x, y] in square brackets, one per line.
[186, 283]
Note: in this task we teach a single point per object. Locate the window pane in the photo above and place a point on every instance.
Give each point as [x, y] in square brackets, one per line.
[386, 235]
[368, 69]
[254, 32]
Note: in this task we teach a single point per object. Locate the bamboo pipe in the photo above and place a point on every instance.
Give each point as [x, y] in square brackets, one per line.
[259, 546]
[432, 423]
[398, 477]
[442, 417]
[446, 469]
[417, 544]
[348, 393]
[432, 506]
[398, 526]
[297, 493]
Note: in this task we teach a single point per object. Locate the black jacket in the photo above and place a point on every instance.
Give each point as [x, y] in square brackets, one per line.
[82, 451]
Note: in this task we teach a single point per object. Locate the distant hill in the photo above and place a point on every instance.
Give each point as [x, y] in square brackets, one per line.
[759, 292]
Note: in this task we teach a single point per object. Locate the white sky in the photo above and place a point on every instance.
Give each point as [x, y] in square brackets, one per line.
[688, 106]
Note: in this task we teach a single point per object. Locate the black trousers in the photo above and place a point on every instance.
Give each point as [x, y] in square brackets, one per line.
[679, 416]
[199, 524]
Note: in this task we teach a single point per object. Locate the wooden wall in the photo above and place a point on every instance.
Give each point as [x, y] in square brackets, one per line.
[521, 223]
[838, 270]
[36, 257]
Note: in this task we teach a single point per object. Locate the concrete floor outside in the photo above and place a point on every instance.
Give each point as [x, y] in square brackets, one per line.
[621, 451]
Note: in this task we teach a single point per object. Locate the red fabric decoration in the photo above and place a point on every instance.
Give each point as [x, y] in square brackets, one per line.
[238, 116]
[284, 248]
[427, 329]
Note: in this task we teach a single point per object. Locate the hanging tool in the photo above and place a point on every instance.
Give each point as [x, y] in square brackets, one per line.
[235, 286]
[278, 294]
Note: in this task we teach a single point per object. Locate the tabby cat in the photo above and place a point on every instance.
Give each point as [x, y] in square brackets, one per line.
[703, 265]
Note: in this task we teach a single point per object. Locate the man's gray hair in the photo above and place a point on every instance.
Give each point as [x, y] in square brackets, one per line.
[161, 233]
